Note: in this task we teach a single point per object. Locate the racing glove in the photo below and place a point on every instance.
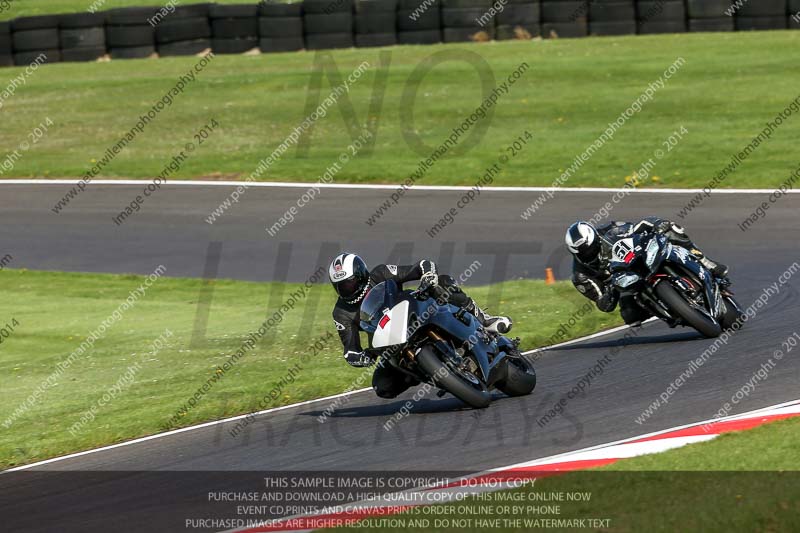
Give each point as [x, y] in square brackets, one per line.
[607, 301]
[658, 226]
[358, 359]
[428, 281]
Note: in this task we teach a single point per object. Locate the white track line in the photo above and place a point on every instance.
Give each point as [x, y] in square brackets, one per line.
[558, 457]
[586, 338]
[278, 184]
[260, 413]
[176, 431]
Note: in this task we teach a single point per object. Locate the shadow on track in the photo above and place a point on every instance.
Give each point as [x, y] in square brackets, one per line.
[427, 406]
[688, 335]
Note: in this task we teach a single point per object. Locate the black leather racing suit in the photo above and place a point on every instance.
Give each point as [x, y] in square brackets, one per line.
[386, 381]
[593, 279]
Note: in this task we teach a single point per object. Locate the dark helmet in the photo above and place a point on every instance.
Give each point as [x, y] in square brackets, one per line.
[583, 242]
[350, 277]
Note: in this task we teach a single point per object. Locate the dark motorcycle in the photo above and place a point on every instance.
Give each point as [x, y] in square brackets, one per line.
[671, 283]
[441, 344]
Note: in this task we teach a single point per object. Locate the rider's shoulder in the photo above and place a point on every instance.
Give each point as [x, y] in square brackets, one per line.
[343, 310]
[383, 272]
[615, 226]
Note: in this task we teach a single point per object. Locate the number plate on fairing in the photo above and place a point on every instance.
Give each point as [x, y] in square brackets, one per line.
[622, 251]
[393, 327]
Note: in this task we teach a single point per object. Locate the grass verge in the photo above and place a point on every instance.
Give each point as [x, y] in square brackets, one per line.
[729, 86]
[143, 400]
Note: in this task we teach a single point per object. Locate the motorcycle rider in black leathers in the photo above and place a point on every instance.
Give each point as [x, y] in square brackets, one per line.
[591, 251]
[352, 280]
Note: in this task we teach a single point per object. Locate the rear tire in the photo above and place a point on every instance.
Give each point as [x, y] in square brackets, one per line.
[477, 396]
[521, 378]
[679, 306]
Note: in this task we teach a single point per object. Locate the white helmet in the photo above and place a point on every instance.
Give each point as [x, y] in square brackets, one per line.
[349, 276]
[583, 242]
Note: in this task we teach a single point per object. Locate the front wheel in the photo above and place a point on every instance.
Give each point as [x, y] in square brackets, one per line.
[469, 390]
[520, 379]
[733, 313]
[678, 305]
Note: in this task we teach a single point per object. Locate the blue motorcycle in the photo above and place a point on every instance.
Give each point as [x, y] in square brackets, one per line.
[671, 283]
[441, 344]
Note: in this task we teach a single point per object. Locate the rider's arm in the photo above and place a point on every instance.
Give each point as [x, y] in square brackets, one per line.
[346, 323]
[597, 290]
[423, 270]
[654, 225]
[674, 232]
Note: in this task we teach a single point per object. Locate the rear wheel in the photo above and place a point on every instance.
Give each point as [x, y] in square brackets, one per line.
[462, 385]
[521, 378]
[678, 305]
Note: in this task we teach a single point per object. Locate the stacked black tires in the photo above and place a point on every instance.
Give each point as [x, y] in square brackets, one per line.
[167, 30]
[709, 15]
[520, 19]
[612, 17]
[82, 36]
[761, 15]
[35, 39]
[280, 27]
[184, 32]
[660, 16]
[565, 18]
[375, 22]
[6, 50]
[418, 22]
[129, 35]
[234, 28]
[328, 24]
[467, 20]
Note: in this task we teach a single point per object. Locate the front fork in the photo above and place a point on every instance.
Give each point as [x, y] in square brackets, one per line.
[509, 346]
[710, 294]
[653, 304]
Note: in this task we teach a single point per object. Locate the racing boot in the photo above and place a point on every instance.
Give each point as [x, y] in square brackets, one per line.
[718, 269]
[495, 324]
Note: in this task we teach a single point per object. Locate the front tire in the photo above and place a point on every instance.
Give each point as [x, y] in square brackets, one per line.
[733, 313]
[473, 394]
[677, 304]
[520, 379]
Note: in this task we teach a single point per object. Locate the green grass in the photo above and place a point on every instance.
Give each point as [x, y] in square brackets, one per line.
[26, 8]
[730, 85]
[742, 481]
[76, 304]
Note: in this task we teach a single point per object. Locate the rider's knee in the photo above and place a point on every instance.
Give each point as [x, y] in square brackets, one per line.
[385, 393]
[632, 314]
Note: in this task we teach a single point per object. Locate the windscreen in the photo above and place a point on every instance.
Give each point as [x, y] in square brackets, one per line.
[380, 297]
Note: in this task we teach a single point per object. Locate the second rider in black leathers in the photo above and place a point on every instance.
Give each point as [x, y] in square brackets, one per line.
[591, 250]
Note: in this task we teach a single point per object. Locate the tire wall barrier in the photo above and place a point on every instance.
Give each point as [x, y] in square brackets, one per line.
[139, 32]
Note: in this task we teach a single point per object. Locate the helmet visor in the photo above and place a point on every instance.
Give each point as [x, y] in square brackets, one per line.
[349, 288]
[589, 253]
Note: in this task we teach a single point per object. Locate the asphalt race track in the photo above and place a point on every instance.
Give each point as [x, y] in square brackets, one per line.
[171, 229]
[438, 435]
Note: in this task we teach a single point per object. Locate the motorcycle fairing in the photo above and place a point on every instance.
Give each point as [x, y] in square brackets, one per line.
[393, 326]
